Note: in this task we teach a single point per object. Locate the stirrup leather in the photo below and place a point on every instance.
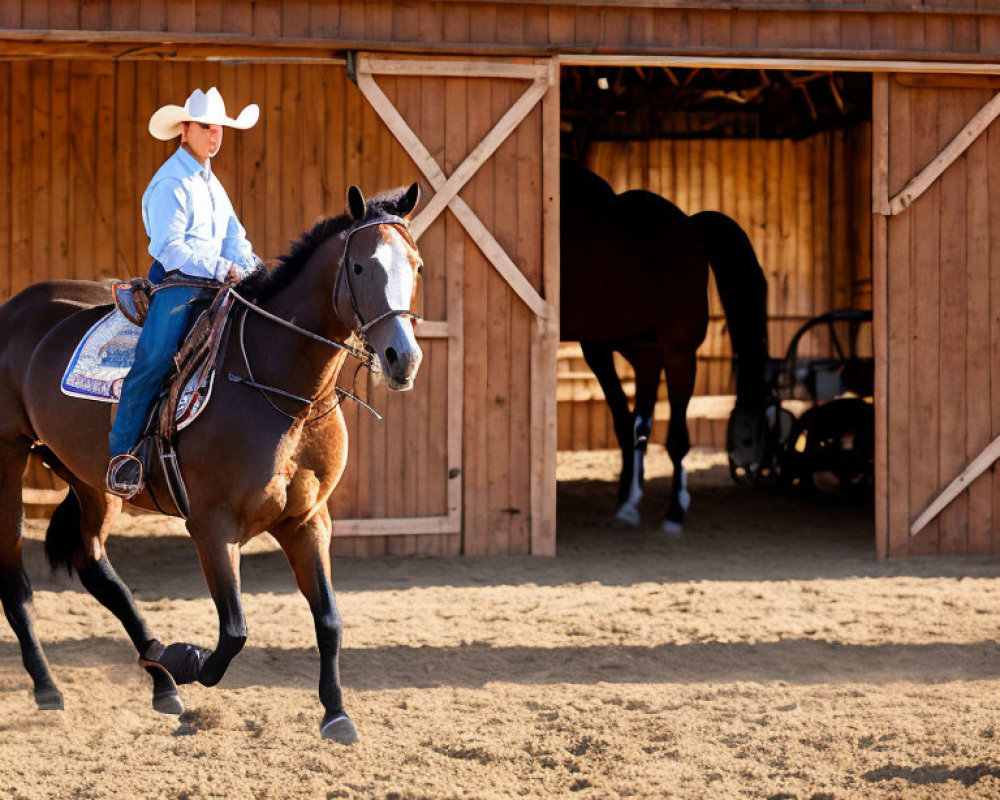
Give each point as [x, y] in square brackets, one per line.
[125, 476]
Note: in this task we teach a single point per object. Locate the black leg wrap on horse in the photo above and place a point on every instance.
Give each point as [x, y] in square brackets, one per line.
[184, 661]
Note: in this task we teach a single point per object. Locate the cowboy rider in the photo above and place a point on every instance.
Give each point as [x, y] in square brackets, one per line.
[193, 233]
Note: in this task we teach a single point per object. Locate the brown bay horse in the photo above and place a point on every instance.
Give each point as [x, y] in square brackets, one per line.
[635, 281]
[254, 461]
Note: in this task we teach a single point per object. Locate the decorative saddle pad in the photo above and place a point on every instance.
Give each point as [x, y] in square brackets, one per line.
[102, 360]
[98, 367]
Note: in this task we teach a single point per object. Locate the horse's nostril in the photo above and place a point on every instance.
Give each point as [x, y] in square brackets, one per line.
[391, 355]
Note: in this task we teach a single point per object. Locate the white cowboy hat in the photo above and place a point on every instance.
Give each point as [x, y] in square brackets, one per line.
[205, 107]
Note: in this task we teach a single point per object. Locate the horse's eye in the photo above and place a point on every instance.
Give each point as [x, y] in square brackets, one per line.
[420, 270]
[357, 269]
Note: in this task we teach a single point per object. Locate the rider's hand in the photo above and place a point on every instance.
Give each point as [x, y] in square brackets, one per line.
[235, 274]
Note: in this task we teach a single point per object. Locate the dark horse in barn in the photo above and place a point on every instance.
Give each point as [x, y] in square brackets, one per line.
[265, 454]
[635, 281]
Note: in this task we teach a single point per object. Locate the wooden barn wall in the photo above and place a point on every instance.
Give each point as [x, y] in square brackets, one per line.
[804, 205]
[963, 29]
[943, 295]
[76, 158]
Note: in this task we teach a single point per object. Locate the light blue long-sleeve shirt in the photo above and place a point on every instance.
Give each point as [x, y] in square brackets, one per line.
[190, 221]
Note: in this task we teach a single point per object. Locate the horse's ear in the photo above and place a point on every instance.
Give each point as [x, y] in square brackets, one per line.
[409, 201]
[356, 203]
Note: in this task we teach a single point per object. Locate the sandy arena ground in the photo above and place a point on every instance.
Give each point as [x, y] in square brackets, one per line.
[765, 654]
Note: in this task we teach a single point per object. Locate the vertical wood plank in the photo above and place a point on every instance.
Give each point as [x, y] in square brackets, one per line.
[20, 176]
[480, 195]
[6, 180]
[543, 509]
[978, 434]
[37, 117]
[456, 147]
[880, 306]
[124, 14]
[267, 19]
[35, 15]
[993, 198]
[290, 152]
[495, 208]
[152, 15]
[126, 184]
[408, 425]
[180, 15]
[295, 19]
[527, 140]
[11, 14]
[431, 485]
[274, 188]
[356, 480]
[899, 266]
[378, 21]
[237, 16]
[925, 430]
[103, 182]
[953, 320]
[374, 165]
[63, 14]
[208, 16]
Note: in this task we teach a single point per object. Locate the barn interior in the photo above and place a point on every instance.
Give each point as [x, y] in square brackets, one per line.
[787, 154]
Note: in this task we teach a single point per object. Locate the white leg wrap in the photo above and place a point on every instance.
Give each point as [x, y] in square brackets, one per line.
[629, 512]
[683, 495]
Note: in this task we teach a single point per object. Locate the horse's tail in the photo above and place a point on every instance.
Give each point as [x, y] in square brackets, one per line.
[743, 289]
[64, 536]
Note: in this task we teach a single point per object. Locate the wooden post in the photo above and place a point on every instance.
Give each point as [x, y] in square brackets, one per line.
[880, 304]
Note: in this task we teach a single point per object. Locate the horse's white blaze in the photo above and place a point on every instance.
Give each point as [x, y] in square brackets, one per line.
[398, 272]
[395, 334]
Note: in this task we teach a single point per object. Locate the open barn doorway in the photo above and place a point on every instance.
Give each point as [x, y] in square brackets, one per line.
[787, 155]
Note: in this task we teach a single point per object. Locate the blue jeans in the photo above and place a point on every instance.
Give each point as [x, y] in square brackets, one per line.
[165, 326]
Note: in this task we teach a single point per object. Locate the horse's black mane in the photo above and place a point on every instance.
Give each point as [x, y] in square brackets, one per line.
[264, 285]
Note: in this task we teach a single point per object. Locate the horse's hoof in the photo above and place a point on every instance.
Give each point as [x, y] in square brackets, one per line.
[339, 729]
[629, 514]
[166, 700]
[49, 699]
[672, 528]
[169, 703]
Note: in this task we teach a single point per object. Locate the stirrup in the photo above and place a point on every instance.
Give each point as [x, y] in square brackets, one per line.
[125, 476]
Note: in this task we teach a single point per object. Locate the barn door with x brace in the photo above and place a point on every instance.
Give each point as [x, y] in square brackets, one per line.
[483, 135]
[936, 264]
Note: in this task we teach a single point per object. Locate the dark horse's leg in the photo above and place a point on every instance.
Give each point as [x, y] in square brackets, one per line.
[680, 366]
[600, 359]
[216, 536]
[15, 590]
[647, 363]
[76, 536]
[307, 548]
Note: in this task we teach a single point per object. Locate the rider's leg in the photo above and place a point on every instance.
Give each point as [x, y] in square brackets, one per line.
[161, 334]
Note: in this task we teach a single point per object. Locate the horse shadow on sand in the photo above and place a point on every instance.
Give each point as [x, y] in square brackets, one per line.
[795, 661]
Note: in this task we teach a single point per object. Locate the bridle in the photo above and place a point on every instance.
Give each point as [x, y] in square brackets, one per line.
[342, 270]
[365, 354]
